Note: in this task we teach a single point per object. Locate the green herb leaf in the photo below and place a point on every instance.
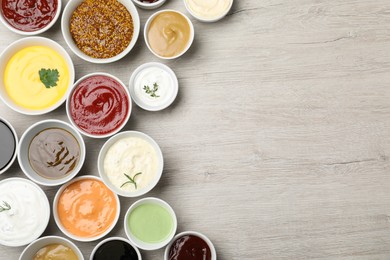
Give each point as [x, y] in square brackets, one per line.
[5, 207]
[131, 180]
[49, 77]
[152, 92]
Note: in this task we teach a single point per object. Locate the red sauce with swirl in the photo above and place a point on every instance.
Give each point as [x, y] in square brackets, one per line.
[29, 15]
[189, 247]
[99, 105]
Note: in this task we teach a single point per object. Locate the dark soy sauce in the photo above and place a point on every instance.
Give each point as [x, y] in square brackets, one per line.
[7, 145]
[115, 250]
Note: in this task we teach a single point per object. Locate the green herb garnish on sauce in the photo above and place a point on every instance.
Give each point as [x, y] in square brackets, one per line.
[5, 206]
[131, 180]
[152, 92]
[49, 77]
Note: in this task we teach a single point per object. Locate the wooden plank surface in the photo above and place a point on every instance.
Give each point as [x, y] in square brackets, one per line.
[278, 144]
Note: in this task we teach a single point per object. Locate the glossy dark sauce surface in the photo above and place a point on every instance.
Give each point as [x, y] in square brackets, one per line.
[7, 145]
[115, 250]
[189, 247]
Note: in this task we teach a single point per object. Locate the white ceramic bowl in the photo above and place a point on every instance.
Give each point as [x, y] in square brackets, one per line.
[141, 244]
[146, 29]
[30, 251]
[24, 145]
[168, 101]
[96, 135]
[149, 6]
[47, 27]
[194, 233]
[113, 239]
[208, 20]
[12, 129]
[29, 212]
[24, 43]
[64, 230]
[108, 145]
[65, 28]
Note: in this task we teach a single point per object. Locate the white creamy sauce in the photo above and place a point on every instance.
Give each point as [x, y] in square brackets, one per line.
[148, 77]
[131, 155]
[209, 9]
[27, 218]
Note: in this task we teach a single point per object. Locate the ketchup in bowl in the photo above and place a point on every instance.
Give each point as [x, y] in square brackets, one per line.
[29, 15]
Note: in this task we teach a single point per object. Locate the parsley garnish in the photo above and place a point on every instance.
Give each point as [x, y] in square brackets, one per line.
[131, 180]
[153, 91]
[5, 207]
[49, 77]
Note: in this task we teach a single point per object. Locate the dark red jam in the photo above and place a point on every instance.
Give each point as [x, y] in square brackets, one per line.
[29, 15]
[148, 1]
[189, 247]
[99, 105]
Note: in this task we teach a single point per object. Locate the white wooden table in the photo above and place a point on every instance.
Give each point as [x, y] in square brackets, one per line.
[278, 144]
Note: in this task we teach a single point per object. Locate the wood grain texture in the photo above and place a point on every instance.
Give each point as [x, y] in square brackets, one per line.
[278, 145]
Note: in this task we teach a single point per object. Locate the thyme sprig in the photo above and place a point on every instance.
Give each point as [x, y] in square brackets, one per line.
[131, 180]
[5, 206]
[152, 92]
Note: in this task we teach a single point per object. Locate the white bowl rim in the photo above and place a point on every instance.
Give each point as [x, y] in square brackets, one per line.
[56, 238]
[71, 93]
[115, 238]
[63, 229]
[43, 197]
[107, 146]
[82, 55]
[10, 126]
[44, 29]
[147, 5]
[77, 136]
[146, 27]
[195, 233]
[71, 71]
[171, 74]
[211, 20]
[156, 201]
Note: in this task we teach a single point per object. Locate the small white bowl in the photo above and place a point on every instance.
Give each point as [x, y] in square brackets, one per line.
[12, 129]
[30, 251]
[24, 43]
[65, 28]
[107, 145]
[58, 221]
[96, 135]
[208, 20]
[111, 239]
[194, 233]
[146, 29]
[141, 244]
[149, 6]
[44, 29]
[24, 145]
[168, 101]
[29, 211]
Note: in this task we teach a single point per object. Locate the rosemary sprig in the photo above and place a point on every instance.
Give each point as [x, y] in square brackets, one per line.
[152, 92]
[131, 180]
[5, 207]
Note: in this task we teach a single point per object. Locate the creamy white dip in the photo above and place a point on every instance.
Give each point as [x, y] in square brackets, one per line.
[209, 9]
[131, 155]
[147, 79]
[28, 215]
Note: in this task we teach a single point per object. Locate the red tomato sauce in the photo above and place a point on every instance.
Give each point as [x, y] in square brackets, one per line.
[29, 15]
[99, 105]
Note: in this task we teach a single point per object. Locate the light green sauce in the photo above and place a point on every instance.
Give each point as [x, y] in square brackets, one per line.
[150, 223]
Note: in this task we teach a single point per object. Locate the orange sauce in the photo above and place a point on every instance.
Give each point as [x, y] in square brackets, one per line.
[87, 208]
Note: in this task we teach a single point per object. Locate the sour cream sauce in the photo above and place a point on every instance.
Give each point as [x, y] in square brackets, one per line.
[131, 155]
[209, 9]
[28, 213]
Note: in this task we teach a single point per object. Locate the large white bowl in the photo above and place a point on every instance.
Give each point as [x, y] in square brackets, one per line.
[64, 230]
[65, 28]
[24, 145]
[146, 29]
[44, 29]
[108, 145]
[8, 124]
[30, 251]
[24, 43]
